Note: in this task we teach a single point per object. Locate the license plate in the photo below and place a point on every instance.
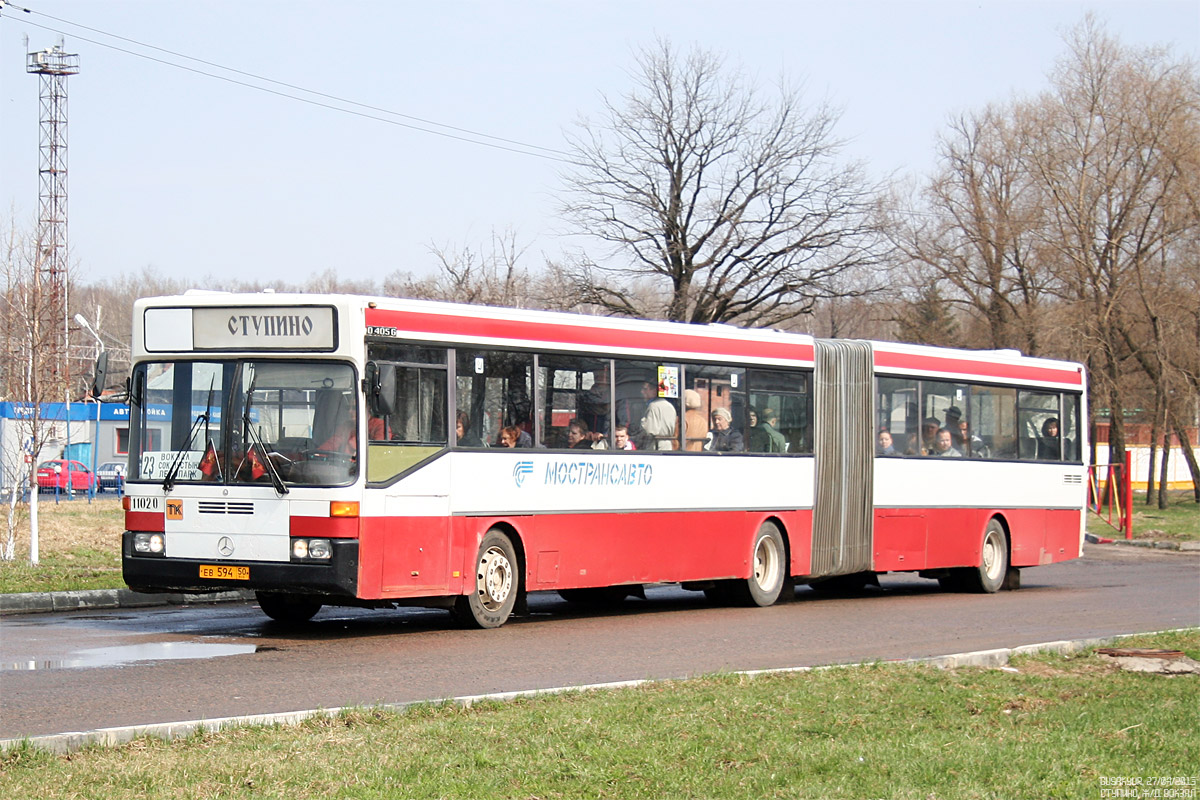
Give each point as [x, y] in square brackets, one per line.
[225, 573]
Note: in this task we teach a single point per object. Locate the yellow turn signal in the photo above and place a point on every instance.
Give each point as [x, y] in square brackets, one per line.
[343, 508]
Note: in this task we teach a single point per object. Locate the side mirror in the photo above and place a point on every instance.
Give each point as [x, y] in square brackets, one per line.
[380, 387]
[100, 378]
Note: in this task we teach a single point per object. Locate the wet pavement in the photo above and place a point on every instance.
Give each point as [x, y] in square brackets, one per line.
[95, 669]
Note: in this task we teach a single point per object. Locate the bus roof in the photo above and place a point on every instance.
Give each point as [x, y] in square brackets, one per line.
[489, 326]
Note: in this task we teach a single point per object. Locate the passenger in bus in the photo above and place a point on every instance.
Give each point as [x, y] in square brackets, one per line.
[659, 420]
[944, 445]
[695, 427]
[344, 436]
[462, 428]
[775, 443]
[578, 436]
[929, 434]
[512, 436]
[621, 440]
[884, 445]
[966, 441]
[1048, 447]
[725, 439]
[756, 437]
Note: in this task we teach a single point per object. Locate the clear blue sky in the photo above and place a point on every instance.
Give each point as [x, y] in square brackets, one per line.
[198, 177]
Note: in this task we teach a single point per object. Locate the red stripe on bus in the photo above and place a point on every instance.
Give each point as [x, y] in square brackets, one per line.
[324, 527]
[145, 521]
[451, 326]
[978, 368]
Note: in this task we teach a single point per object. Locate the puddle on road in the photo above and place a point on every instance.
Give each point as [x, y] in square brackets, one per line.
[129, 654]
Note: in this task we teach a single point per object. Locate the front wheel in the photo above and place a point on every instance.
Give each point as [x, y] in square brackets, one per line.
[497, 583]
[290, 609]
[769, 569]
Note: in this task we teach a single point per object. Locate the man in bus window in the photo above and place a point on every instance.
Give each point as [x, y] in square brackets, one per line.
[659, 421]
[621, 440]
[929, 433]
[578, 437]
[775, 441]
[944, 445]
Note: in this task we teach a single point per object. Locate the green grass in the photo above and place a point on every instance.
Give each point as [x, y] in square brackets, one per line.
[1178, 522]
[81, 568]
[79, 546]
[1054, 728]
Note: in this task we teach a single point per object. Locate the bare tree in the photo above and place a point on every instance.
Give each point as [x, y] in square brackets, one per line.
[978, 230]
[32, 376]
[1108, 157]
[734, 208]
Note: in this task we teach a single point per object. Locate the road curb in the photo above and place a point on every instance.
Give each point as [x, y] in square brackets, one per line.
[41, 602]
[63, 743]
[1147, 543]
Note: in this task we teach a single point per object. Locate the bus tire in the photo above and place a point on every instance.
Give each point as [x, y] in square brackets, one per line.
[289, 609]
[989, 576]
[768, 563]
[497, 584]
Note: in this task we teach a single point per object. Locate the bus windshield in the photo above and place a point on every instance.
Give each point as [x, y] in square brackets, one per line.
[277, 423]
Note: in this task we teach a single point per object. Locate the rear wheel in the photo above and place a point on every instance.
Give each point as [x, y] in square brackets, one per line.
[290, 609]
[988, 577]
[497, 583]
[769, 569]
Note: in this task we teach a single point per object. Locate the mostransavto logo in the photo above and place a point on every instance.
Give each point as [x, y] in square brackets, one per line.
[521, 471]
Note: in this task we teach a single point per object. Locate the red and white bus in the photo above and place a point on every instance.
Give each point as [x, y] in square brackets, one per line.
[341, 450]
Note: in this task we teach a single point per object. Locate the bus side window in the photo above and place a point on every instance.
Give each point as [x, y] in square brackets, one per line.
[648, 403]
[573, 391]
[781, 405]
[993, 418]
[896, 405]
[721, 389]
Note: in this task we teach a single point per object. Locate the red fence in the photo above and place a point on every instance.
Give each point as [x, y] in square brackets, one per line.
[1110, 494]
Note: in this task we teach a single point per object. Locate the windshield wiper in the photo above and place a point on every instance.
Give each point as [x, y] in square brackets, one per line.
[173, 472]
[269, 465]
[251, 439]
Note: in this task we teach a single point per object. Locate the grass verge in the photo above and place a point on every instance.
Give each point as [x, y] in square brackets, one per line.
[1178, 522]
[79, 546]
[1056, 727]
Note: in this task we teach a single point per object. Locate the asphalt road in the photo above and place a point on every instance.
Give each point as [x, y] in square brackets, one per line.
[86, 670]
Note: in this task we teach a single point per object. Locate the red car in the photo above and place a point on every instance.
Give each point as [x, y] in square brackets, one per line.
[51, 474]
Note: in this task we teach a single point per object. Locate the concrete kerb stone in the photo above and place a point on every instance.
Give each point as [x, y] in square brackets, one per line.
[62, 743]
[41, 602]
[1147, 543]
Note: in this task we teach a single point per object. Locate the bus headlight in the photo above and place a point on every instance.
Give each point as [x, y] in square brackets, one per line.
[312, 549]
[149, 543]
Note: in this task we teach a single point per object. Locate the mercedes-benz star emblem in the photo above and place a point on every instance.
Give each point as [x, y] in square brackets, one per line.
[225, 546]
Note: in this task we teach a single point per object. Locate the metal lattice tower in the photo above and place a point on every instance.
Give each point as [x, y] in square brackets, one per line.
[55, 67]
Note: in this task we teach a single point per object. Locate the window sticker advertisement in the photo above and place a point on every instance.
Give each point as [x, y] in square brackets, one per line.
[668, 382]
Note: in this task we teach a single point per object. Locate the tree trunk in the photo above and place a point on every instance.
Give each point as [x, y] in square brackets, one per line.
[1155, 431]
[33, 513]
[1189, 456]
[1162, 478]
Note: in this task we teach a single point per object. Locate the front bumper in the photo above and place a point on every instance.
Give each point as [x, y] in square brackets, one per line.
[338, 577]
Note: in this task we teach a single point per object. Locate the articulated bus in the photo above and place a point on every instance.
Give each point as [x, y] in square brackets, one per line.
[341, 450]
